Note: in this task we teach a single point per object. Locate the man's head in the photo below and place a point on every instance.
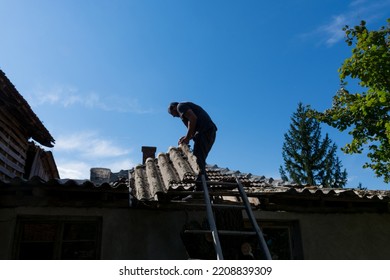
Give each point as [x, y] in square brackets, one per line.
[172, 109]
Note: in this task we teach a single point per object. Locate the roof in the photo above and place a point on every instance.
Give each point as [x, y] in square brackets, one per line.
[177, 168]
[175, 171]
[12, 101]
[156, 183]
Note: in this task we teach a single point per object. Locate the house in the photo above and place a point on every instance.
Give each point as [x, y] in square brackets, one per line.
[19, 156]
[138, 214]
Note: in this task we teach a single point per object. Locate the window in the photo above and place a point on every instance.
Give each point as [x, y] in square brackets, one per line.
[69, 238]
[283, 239]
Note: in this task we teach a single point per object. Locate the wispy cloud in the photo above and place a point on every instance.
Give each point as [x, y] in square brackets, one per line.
[90, 145]
[357, 3]
[79, 169]
[73, 170]
[77, 153]
[121, 164]
[67, 96]
[331, 32]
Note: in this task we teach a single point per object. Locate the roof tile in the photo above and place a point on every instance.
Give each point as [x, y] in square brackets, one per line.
[176, 171]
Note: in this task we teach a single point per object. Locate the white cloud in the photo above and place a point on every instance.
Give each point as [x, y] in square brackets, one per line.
[334, 30]
[67, 96]
[89, 145]
[77, 153]
[331, 32]
[121, 164]
[357, 3]
[58, 95]
[73, 170]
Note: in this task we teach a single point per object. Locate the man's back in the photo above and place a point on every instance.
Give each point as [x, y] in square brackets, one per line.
[203, 122]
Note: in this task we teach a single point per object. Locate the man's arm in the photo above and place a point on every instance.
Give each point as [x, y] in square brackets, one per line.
[191, 125]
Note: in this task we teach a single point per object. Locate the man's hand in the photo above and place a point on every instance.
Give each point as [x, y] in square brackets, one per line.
[184, 140]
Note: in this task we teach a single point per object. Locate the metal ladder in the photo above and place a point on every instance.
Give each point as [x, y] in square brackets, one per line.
[213, 227]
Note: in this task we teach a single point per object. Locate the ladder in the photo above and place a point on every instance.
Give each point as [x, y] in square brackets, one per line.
[212, 224]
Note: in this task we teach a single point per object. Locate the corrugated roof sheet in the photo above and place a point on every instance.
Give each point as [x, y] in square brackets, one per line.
[174, 172]
[177, 170]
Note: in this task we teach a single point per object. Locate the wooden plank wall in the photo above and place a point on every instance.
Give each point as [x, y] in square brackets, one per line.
[38, 168]
[13, 148]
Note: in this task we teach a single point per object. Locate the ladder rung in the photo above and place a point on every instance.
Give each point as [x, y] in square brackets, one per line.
[200, 194]
[220, 186]
[231, 206]
[202, 204]
[196, 203]
[213, 185]
[222, 232]
[216, 183]
[228, 206]
[212, 192]
[223, 192]
[235, 232]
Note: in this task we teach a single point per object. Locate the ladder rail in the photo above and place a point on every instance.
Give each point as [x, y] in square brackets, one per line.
[252, 219]
[213, 227]
[211, 220]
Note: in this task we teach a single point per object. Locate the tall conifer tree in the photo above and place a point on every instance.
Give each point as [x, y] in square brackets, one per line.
[308, 159]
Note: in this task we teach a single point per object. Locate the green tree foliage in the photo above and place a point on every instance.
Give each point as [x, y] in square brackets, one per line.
[366, 114]
[308, 159]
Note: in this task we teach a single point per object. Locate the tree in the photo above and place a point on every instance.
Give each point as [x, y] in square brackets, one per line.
[366, 114]
[307, 158]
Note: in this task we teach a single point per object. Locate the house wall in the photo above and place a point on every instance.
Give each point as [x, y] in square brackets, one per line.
[339, 236]
[155, 234]
[126, 233]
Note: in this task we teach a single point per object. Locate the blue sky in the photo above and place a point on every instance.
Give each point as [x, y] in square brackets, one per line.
[100, 74]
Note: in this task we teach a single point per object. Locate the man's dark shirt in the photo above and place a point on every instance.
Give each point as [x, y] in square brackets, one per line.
[203, 122]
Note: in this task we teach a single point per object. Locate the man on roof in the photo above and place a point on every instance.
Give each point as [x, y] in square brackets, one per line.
[200, 128]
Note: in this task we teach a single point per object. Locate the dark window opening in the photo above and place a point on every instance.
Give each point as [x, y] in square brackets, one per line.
[45, 238]
[283, 240]
[278, 242]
